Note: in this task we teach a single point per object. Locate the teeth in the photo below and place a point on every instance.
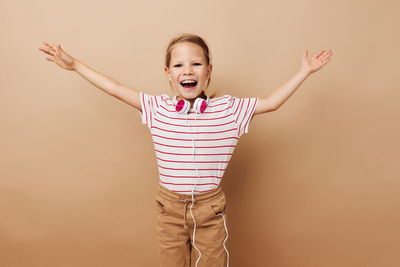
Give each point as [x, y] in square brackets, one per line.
[184, 82]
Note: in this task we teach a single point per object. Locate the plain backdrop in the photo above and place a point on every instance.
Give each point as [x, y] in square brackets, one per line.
[314, 184]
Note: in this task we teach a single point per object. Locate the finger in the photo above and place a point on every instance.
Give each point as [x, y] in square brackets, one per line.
[57, 51]
[326, 55]
[319, 54]
[325, 60]
[60, 49]
[50, 45]
[50, 59]
[47, 51]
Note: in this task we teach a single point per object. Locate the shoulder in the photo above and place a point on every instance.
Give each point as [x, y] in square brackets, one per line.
[220, 97]
[165, 97]
[156, 101]
[220, 100]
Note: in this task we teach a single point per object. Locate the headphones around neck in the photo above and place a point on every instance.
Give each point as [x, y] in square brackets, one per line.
[199, 106]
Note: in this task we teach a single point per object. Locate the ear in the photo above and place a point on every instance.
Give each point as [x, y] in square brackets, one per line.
[209, 70]
[168, 73]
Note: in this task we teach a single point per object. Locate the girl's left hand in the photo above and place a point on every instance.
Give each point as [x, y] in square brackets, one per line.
[310, 65]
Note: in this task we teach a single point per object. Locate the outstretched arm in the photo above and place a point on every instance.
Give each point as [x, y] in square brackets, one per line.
[101, 81]
[278, 96]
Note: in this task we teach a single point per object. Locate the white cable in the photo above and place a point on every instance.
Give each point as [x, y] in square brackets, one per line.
[198, 175]
[226, 229]
[194, 221]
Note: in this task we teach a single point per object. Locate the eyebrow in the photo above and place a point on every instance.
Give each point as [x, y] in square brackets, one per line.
[196, 59]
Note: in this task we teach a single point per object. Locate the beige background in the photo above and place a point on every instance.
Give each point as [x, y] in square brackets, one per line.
[314, 184]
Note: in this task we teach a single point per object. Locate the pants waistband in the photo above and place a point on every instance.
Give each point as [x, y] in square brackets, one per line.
[184, 198]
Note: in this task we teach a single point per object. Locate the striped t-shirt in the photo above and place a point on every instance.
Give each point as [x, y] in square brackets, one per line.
[215, 135]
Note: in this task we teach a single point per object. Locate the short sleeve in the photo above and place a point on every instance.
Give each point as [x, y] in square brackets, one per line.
[243, 111]
[149, 104]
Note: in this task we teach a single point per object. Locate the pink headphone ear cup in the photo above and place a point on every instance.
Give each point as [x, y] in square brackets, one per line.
[200, 105]
[203, 106]
[182, 107]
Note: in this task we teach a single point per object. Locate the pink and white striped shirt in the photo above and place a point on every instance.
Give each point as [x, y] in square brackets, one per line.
[215, 134]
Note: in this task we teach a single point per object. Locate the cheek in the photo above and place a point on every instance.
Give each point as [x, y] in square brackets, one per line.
[174, 76]
[205, 73]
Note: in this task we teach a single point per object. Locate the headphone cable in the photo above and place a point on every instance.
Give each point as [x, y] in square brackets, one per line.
[194, 221]
[198, 175]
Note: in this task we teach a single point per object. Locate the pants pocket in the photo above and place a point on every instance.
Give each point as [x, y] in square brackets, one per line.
[219, 205]
[159, 205]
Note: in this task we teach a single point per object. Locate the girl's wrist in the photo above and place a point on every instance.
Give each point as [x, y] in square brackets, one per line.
[75, 63]
[304, 72]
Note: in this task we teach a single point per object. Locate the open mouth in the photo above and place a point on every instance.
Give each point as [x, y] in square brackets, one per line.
[189, 84]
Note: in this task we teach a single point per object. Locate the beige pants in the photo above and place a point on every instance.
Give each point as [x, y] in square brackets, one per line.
[174, 227]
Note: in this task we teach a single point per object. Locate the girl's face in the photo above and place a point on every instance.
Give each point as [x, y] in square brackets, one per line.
[188, 64]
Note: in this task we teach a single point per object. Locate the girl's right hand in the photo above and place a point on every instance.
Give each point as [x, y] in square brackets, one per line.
[60, 57]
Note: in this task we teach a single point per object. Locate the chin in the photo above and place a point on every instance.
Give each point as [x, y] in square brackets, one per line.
[191, 95]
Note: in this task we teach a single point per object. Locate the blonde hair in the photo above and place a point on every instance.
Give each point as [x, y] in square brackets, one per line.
[191, 38]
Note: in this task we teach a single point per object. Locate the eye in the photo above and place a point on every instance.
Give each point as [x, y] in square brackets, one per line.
[197, 64]
[177, 65]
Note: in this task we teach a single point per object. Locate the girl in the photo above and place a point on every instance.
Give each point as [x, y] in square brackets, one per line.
[194, 137]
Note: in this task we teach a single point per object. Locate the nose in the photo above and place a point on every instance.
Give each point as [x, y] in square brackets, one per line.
[188, 70]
